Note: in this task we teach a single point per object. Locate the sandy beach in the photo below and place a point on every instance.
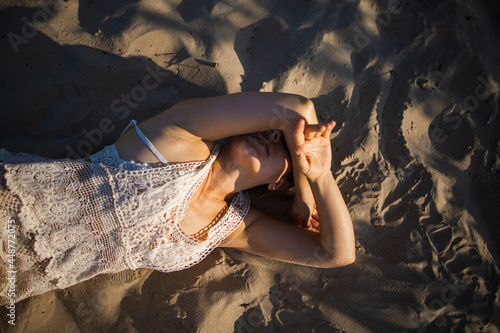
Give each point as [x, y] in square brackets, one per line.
[414, 87]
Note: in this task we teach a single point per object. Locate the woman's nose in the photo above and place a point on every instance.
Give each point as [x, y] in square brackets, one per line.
[275, 135]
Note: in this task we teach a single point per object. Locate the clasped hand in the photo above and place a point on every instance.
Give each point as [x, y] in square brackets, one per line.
[313, 151]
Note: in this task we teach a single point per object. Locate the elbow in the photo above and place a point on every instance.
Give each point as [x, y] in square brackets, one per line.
[339, 260]
[344, 261]
[349, 259]
[307, 110]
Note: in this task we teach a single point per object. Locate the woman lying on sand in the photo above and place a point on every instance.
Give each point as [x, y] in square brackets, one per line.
[165, 195]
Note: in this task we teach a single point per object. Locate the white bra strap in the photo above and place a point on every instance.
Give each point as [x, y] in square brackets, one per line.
[146, 142]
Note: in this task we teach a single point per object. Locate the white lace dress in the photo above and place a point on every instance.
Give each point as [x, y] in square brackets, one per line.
[76, 219]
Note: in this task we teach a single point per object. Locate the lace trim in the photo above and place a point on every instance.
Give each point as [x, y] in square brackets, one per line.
[238, 208]
[119, 214]
[51, 254]
[202, 234]
[109, 157]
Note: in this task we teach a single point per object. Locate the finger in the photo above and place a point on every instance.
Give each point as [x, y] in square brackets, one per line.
[302, 223]
[311, 131]
[316, 127]
[315, 130]
[331, 125]
[298, 135]
[325, 128]
[298, 222]
[329, 129]
[319, 131]
[315, 224]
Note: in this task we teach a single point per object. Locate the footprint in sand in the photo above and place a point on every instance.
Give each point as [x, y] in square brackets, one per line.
[460, 280]
[440, 238]
[359, 180]
[398, 205]
[291, 312]
[464, 260]
[451, 134]
[251, 320]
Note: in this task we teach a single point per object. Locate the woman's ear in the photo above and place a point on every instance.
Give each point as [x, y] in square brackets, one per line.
[279, 185]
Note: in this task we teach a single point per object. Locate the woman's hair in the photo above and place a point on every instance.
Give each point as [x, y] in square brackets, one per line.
[290, 180]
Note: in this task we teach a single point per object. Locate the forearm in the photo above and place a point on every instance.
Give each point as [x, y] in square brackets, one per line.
[308, 113]
[336, 232]
[241, 113]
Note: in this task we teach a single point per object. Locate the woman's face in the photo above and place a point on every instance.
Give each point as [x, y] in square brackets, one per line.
[264, 155]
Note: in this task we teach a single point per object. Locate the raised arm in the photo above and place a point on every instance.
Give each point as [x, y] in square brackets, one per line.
[219, 117]
[334, 245]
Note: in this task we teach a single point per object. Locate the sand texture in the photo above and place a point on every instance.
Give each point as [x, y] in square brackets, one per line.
[414, 89]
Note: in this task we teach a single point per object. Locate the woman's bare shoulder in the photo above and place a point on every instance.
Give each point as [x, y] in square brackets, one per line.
[173, 142]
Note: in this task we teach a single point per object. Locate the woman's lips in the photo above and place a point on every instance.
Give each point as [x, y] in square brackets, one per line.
[263, 143]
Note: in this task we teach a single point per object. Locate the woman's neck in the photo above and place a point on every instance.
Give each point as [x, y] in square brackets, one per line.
[225, 178]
